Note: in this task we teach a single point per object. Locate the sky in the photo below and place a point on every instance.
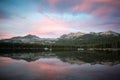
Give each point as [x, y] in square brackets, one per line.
[52, 18]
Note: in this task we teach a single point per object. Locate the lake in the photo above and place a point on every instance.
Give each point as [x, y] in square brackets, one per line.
[72, 65]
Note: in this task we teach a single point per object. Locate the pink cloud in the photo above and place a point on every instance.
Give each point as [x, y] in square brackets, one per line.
[85, 5]
[102, 0]
[53, 2]
[111, 27]
[47, 25]
[102, 11]
[5, 35]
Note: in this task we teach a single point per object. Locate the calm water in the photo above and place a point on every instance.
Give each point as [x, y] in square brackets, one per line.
[60, 66]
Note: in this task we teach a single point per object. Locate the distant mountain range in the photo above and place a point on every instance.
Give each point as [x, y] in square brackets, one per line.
[29, 39]
[92, 39]
[80, 34]
[79, 38]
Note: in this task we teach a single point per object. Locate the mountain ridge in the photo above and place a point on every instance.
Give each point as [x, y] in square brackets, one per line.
[79, 34]
[70, 36]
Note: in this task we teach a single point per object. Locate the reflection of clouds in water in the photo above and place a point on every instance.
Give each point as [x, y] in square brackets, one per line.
[52, 61]
[54, 68]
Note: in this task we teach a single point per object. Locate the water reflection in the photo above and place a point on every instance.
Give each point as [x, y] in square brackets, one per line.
[92, 57]
[60, 66]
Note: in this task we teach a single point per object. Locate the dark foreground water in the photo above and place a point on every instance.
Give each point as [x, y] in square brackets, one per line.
[60, 66]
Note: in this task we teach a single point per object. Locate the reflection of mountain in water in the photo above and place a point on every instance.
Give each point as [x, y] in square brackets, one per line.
[106, 58]
[28, 56]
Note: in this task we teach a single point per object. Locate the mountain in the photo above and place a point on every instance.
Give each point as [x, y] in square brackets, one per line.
[80, 34]
[72, 35]
[109, 33]
[29, 39]
[92, 39]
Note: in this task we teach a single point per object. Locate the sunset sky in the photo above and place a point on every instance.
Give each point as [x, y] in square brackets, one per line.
[52, 18]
